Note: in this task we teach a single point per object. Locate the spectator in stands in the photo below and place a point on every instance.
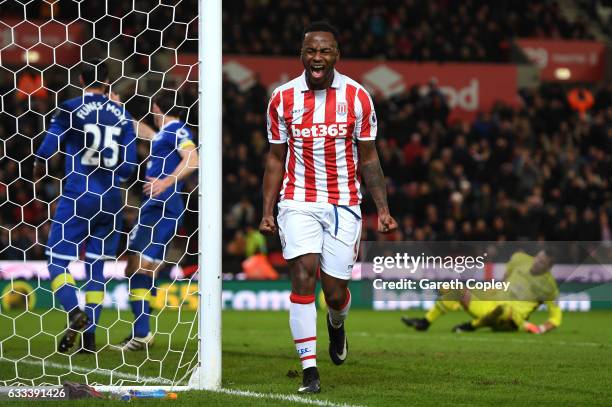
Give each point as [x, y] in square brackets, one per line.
[30, 83]
[473, 30]
[581, 100]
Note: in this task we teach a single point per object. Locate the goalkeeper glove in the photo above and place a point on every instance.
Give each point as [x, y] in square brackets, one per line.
[534, 329]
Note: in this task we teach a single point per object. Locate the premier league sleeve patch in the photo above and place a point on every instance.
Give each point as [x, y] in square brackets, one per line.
[373, 120]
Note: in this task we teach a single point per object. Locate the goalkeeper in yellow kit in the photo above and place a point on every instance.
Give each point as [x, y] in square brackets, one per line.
[531, 284]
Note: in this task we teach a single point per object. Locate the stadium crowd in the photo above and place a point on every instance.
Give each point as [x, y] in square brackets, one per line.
[438, 30]
[599, 11]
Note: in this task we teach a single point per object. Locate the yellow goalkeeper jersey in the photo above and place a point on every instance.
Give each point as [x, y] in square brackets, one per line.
[527, 291]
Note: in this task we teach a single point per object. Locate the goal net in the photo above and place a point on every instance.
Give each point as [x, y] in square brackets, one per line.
[62, 230]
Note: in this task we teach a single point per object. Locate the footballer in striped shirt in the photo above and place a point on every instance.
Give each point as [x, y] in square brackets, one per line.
[322, 131]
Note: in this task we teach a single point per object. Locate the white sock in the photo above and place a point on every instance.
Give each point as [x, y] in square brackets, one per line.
[337, 317]
[303, 323]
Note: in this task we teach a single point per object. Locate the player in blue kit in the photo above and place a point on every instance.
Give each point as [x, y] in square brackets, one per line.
[97, 139]
[173, 157]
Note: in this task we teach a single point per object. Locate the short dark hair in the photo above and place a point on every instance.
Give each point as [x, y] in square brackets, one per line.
[170, 102]
[94, 73]
[321, 26]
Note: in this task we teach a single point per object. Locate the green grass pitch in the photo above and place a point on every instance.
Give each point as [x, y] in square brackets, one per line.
[388, 363]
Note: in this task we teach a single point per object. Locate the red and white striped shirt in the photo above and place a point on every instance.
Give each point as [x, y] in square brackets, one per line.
[322, 128]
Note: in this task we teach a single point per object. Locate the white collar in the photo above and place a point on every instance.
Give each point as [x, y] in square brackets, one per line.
[336, 83]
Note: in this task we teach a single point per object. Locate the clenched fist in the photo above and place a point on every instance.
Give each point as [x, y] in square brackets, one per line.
[267, 225]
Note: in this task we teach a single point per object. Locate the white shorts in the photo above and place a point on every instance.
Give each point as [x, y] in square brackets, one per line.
[333, 231]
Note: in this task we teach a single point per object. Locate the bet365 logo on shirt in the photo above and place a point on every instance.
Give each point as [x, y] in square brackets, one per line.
[320, 130]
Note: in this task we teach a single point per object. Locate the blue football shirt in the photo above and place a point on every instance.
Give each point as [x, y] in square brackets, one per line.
[165, 157]
[97, 137]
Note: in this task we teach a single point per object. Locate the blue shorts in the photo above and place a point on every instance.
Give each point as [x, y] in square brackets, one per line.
[158, 222]
[90, 221]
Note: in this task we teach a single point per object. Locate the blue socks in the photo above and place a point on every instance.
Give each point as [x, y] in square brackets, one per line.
[94, 292]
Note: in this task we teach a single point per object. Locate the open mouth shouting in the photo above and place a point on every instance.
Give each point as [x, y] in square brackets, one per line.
[318, 71]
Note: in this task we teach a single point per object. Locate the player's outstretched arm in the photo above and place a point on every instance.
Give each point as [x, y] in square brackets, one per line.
[143, 130]
[372, 173]
[273, 177]
[555, 315]
[554, 320]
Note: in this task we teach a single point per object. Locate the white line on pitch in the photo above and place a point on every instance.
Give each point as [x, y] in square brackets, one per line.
[465, 337]
[468, 338]
[98, 371]
[283, 397]
[132, 377]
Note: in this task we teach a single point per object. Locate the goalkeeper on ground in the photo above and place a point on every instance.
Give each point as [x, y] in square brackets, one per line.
[531, 284]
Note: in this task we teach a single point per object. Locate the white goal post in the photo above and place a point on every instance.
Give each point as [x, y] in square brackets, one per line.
[191, 338]
[210, 178]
